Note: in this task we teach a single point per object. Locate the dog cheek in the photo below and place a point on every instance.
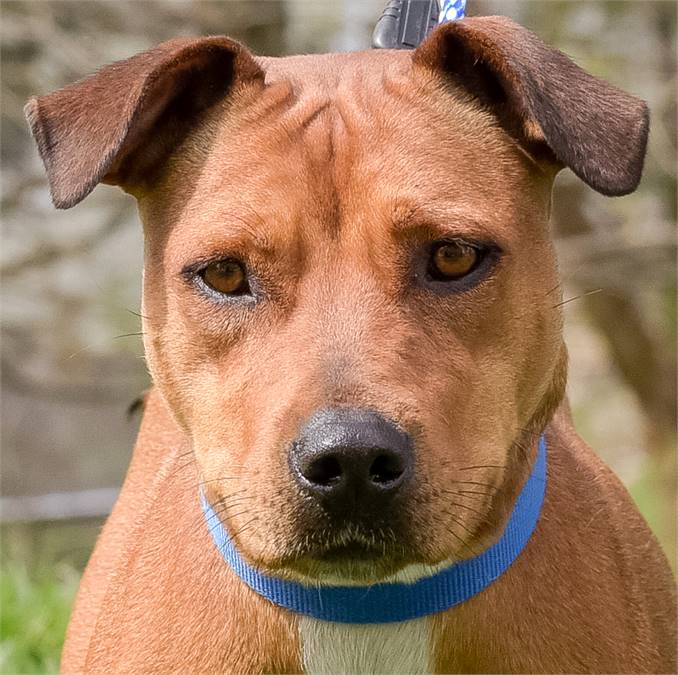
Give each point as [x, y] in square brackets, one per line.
[162, 373]
[540, 357]
[187, 381]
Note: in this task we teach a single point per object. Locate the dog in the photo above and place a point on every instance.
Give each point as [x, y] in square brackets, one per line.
[351, 318]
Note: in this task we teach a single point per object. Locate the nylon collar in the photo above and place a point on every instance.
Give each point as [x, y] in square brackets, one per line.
[389, 602]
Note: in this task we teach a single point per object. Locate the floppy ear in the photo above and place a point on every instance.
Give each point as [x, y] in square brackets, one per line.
[122, 120]
[544, 99]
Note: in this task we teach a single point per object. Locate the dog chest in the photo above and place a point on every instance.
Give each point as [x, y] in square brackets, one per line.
[333, 648]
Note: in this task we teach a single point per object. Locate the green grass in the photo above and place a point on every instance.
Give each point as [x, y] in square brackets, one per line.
[34, 611]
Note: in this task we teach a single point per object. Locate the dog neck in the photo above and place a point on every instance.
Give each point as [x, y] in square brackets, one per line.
[391, 602]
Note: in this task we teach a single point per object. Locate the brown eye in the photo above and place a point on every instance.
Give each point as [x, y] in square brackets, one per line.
[453, 260]
[226, 276]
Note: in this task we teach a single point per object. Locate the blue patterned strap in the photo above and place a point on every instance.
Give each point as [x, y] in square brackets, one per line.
[389, 602]
[452, 10]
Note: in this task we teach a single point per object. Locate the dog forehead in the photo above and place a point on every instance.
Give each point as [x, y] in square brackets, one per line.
[362, 110]
[331, 72]
[331, 135]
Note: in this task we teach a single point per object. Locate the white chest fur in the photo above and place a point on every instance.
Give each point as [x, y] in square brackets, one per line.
[337, 649]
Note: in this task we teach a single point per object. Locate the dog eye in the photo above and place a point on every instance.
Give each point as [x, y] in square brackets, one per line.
[226, 276]
[452, 260]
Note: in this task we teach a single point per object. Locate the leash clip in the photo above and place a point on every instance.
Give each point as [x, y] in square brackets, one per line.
[405, 24]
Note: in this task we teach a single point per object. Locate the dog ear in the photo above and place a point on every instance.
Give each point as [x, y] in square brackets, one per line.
[544, 99]
[117, 123]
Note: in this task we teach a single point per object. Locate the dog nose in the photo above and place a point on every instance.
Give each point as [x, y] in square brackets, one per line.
[350, 457]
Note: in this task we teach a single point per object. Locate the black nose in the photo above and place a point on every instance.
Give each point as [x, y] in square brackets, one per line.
[350, 457]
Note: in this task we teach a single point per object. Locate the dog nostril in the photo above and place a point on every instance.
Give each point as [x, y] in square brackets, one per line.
[386, 469]
[345, 456]
[324, 471]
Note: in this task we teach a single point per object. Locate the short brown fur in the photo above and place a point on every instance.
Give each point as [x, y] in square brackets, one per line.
[328, 175]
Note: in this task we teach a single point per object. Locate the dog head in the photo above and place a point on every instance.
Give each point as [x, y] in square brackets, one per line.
[350, 293]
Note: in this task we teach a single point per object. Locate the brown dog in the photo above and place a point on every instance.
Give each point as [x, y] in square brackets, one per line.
[356, 237]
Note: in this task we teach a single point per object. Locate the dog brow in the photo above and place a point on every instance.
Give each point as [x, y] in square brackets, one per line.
[448, 219]
[231, 229]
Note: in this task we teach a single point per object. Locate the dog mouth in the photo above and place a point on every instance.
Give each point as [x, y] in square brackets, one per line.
[353, 551]
[347, 559]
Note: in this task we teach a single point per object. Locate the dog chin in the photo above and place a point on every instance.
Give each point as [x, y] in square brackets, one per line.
[357, 572]
[347, 573]
[354, 565]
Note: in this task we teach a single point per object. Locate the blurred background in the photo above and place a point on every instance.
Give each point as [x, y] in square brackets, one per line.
[72, 359]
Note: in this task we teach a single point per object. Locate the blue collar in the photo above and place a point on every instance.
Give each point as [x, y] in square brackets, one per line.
[388, 602]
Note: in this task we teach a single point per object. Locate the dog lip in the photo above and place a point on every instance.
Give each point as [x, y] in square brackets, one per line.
[355, 550]
[342, 565]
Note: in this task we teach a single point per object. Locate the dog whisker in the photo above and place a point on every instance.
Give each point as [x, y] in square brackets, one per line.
[230, 534]
[216, 480]
[483, 466]
[235, 502]
[141, 316]
[464, 506]
[463, 493]
[475, 492]
[244, 527]
[554, 289]
[451, 515]
[218, 510]
[124, 335]
[193, 461]
[227, 499]
[218, 513]
[461, 539]
[577, 297]
[177, 469]
[239, 513]
[474, 482]
[181, 455]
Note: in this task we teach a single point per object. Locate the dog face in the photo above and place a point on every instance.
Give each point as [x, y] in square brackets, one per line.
[350, 294]
[329, 203]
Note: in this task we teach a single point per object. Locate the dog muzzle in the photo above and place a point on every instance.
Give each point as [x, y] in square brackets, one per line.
[390, 602]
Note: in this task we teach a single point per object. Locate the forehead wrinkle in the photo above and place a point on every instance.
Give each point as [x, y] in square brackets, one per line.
[410, 213]
[312, 111]
[309, 129]
[224, 228]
